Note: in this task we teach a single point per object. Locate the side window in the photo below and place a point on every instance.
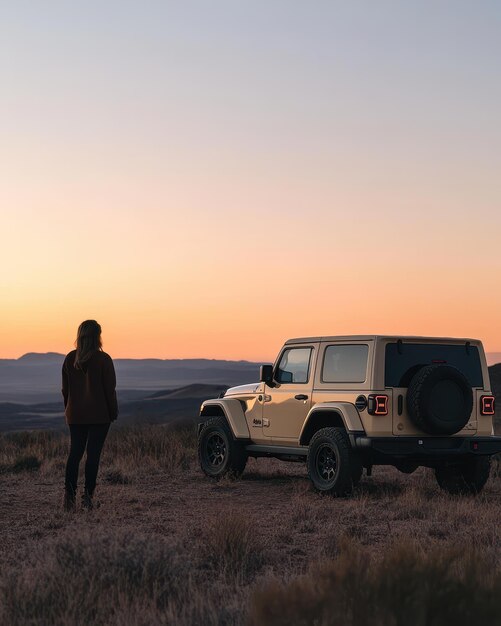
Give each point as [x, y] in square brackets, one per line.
[294, 366]
[345, 364]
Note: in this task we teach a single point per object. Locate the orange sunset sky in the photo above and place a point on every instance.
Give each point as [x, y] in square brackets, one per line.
[209, 179]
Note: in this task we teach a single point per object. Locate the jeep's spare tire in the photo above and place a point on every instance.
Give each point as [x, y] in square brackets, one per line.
[439, 400]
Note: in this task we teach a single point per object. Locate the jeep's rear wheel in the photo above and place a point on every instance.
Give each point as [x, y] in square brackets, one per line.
[466, 478]
[333, 467]
[219, 454]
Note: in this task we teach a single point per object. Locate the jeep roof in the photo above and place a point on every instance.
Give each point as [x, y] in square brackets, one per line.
[373, 337]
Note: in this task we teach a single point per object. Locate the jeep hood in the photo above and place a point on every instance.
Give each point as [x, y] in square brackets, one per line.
[244, 390]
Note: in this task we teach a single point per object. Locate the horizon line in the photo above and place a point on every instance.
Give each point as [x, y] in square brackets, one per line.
[141, 358]
[199, 358]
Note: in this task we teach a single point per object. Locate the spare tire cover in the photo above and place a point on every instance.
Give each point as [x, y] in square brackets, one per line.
[439, 400]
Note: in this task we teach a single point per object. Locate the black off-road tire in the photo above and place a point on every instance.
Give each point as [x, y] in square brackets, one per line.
[333, 467]
[218, 452]
[439, 400]
[466, 478]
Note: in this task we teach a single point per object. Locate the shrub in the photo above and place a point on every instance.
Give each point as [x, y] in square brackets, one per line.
[153, 445]
[404, 587]
[86, 579]
[231, 546]
[21, 464]
[116, 476]
[39, 445]
[26, 464]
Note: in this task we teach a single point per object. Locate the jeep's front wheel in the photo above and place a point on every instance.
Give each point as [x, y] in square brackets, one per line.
[333, 467]
[219, 454]
[465, 478]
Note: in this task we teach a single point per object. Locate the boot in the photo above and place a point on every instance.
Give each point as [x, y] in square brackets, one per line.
[69, 499]
[87, 500]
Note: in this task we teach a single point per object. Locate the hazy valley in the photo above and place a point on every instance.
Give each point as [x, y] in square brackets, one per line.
[149, 390]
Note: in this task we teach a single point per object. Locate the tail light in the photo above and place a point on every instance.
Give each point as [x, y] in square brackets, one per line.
[378, 404]
[487, 405]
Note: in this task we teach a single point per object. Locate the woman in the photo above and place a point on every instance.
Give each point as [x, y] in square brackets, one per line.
[90, 403]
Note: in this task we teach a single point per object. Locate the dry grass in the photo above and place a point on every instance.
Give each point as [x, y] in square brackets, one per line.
[232, 546]
[155, 447]
[406, 586]
[27, 450]
[88, 578]
[168, 546]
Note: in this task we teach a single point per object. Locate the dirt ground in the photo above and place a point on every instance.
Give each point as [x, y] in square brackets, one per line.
[295, 522]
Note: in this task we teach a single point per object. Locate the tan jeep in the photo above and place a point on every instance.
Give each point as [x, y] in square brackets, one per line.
[345, 403]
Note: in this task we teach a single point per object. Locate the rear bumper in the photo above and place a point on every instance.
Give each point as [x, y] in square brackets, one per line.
[428, 447]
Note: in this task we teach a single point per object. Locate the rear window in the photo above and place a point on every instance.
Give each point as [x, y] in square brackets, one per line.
[404, 360]
[345, 364]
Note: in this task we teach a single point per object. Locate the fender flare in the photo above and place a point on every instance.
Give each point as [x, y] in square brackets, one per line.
[347, 411]
[233, 411]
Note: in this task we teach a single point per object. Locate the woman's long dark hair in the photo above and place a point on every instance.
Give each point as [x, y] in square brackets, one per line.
[88, 341]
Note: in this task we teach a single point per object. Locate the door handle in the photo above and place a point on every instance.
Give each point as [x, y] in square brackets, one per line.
[301, 396]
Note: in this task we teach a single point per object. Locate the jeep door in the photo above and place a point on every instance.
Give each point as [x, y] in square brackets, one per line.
[287, 403]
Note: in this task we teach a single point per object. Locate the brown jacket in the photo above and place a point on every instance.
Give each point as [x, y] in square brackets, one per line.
[89, 393]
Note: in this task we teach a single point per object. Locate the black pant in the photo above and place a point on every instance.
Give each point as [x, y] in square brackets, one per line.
[92, 437]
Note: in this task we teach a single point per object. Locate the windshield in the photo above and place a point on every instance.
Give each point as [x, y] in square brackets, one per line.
[405, 359]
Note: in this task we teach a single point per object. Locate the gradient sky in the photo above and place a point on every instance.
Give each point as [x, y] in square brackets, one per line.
[209, 178]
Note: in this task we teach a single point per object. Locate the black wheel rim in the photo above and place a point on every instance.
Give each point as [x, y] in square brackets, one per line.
[326, 463]
[215, 450]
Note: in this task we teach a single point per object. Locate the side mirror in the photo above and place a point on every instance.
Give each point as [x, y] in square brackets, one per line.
[266, 374]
